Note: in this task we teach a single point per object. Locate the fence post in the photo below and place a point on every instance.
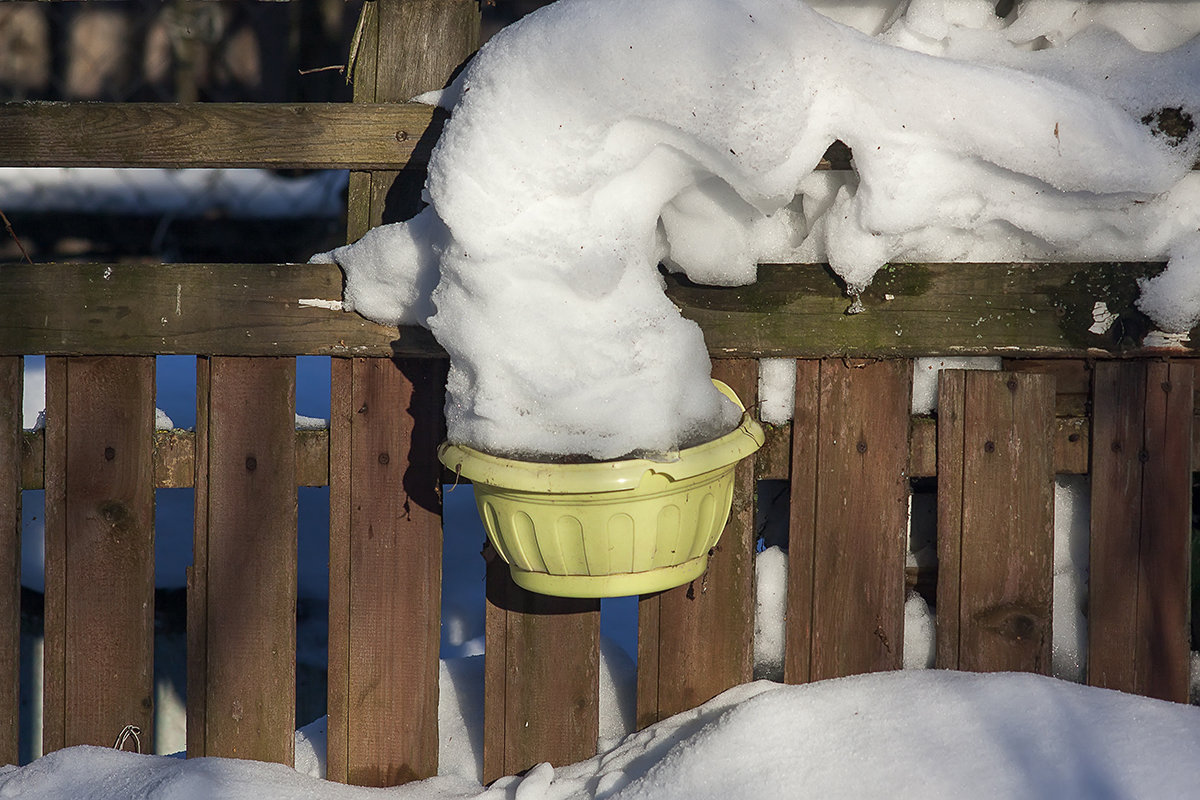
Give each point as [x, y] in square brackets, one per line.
[11, 379]
[385, 502]
[696, 641]
[242, 583]
[1141, 528]
[849, 507]
[995, 520]
[99, 549]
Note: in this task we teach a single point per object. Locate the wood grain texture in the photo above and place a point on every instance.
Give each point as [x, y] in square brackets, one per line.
[277, 135]
[996, 520]
[855, 531]
[793, 310]
[341, 412]
[542, 677]
[802, 523]
[197, 573]
[395, 559]
[248, 546]
[705, 629]
[211, 309]
[100, 550]
[385, 520]
[1141, 528]
[174, 453]
[11, 381]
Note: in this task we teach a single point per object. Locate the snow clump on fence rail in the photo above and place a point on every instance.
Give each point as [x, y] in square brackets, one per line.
[591, 142]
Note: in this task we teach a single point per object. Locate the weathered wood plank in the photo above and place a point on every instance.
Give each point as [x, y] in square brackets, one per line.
[197, 572]
[705, 629]
[395, 560]
[856, 530]
[802, 524]
[1165, 555]
[249, 567]
[386, 518]
[922, 309]
[996, 498]
[341, 412]
[1072, 381]
[278, 135]
[542, 677]
[951, 437]
[1141, 528]
[862, 507]
[54, 550]
[100, 558]
[793, 310]
[209, 309]
[11, 372]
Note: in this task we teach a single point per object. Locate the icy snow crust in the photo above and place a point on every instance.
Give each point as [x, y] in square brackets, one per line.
[593, 140]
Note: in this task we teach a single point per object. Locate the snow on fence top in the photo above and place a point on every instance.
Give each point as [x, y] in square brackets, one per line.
[591, 141]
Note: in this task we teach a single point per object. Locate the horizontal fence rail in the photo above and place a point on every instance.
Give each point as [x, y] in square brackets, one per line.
[277, 135]
[174, 454]
[793, 310]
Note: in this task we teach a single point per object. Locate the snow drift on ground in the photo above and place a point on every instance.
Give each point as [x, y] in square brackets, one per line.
[689, 135]
[924, 734]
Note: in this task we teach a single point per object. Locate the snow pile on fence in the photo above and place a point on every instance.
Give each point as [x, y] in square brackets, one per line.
[689, 134]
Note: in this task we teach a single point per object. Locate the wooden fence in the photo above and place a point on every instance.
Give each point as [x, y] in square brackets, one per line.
[1067, 401]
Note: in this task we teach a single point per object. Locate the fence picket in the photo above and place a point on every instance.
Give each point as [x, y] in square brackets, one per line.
[385, 501]
[99, 535]
[242, 586]
[849, 510]
[11, 373]
[696, 641]
[1141, 528]
[385, 568]
[995, 520]
[542, 677]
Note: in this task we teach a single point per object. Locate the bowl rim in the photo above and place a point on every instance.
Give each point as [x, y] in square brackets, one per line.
[605, 476]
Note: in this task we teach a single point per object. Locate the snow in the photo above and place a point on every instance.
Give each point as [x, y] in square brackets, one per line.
[1049, 138]
[920, 734]
[925, 376]
[776, 389]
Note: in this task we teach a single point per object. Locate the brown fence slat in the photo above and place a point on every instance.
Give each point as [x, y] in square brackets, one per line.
[11, 379]
[851, 517]
[385, 501]
[696, 641]
[802, 526]
[278, 135]
[542, 677]
[246, 538]
[99, 550]
[792, 310]
[386, 574]
[341, 413]
[1141, 528]
[995, 520]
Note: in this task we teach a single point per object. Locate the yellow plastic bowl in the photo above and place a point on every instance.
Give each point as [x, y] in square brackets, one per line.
[609, 528]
